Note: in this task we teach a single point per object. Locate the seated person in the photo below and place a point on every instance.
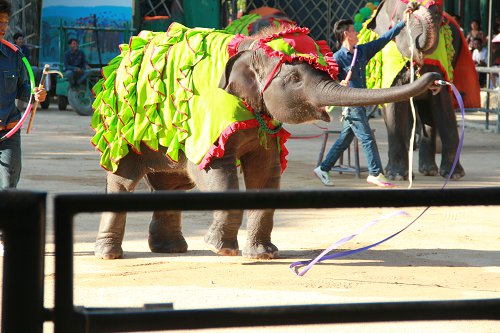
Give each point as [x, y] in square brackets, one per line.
[475, 32]
[75, 64]
[479, 56]
[495, 62]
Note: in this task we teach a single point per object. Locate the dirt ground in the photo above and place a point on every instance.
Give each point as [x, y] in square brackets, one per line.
[450, 253]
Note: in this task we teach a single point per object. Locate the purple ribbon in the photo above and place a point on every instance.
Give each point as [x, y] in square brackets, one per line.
[308, 264]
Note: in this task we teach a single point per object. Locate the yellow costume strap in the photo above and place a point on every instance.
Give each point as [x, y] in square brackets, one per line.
[383, 68]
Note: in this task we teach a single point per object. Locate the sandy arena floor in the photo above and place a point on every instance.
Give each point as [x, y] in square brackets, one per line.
[450, 253]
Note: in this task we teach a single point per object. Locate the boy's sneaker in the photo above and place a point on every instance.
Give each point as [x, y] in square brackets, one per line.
[324, 176]
[379, 180]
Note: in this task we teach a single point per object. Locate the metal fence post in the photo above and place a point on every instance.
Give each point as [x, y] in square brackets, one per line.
[70, 319]
[498, 111]
[23, 227]
[64, 307]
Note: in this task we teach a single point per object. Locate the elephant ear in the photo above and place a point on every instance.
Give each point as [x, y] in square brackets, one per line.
[372, 25]
[241, 79]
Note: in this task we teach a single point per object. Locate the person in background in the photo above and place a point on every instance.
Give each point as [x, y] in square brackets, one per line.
[14, 83]
[355, 120]
[19, 41]
[458, 19]
[75, 64]
[475, 32]
[479, 56]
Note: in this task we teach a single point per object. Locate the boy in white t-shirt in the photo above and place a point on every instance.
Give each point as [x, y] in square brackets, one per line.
[480, 58]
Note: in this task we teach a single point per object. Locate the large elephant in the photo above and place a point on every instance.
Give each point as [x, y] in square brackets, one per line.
[438, 46]
[184, 107]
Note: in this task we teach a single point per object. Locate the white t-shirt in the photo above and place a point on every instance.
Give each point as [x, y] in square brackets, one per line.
[480, 56]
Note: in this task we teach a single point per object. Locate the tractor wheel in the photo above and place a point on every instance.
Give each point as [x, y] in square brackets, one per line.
[81, 100]
[62, 102]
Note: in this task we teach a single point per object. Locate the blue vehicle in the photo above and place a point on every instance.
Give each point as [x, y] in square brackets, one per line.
[101, 28]
[98, 27]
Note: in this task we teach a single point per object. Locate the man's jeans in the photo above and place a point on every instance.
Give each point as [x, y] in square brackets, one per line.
[75, 78]
[10, 160]
[355, 123]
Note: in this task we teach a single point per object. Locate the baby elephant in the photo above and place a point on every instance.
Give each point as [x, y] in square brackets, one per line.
[186, 107]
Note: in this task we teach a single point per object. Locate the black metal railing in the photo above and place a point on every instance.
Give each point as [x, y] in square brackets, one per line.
[488, 108]
[22, 223]
[68, 318]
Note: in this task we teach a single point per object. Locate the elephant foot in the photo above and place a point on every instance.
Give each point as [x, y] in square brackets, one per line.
[107, 249]
[224, 247]
[177, 245]
[398, 175]
[458, 173]
[428, 170]
[261, 251]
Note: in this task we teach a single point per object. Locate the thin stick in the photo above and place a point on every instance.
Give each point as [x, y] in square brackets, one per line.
[32, 117]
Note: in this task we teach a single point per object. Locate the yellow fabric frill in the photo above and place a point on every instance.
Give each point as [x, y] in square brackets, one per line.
[163, 90]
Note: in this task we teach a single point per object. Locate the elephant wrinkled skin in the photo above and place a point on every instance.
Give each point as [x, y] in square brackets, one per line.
[434, 109]
[297, 93]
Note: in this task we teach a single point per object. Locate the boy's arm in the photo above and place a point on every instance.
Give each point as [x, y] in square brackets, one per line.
[373, 47]
[342, 72]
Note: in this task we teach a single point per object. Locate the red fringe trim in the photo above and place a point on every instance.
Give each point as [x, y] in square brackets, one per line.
[437, 63]
[234, 44]
[218, 150]
[331, 68]
[150, 148]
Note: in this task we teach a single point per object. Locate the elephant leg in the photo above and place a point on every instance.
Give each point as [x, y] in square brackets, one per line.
[262, 170]
[397, 121]
[108, 244]
[165, 229]
[446, 124]
[221, 236]
[427, 152]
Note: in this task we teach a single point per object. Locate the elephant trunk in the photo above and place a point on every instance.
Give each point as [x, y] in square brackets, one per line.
[333, 93]
[426, 41]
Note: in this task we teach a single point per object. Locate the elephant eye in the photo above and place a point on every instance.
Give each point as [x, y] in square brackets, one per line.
[293, 77]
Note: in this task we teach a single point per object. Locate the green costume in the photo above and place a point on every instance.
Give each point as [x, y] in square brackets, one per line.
[162, 90]
[149, 91]
[243, 24]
